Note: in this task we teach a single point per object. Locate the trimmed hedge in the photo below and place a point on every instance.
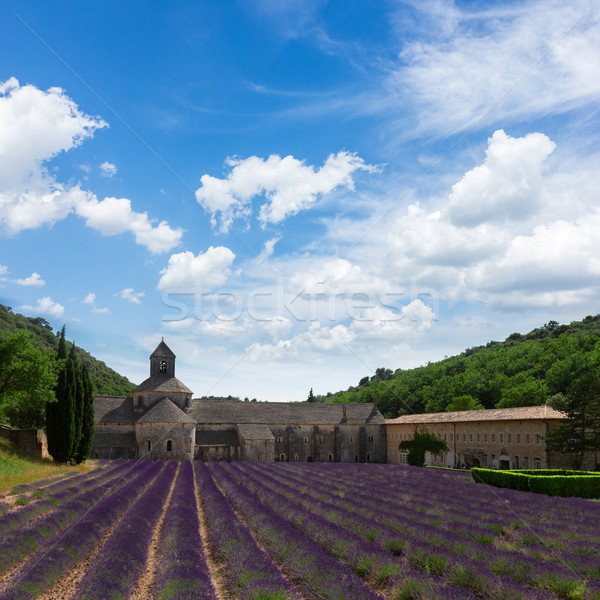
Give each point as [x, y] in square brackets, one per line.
[554, 482]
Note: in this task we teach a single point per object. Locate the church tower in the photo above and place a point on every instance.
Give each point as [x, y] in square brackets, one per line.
[162, 383]
[162, 362]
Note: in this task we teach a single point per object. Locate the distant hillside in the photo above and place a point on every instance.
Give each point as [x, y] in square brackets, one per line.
[104, 379]
[523, 370]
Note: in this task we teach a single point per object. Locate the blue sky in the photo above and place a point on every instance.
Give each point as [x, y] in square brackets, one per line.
[296, 193]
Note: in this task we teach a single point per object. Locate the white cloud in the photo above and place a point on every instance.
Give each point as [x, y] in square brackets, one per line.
[521, 61]
[45, 306]
[131, 295]
[90, 298]
[506, 185]
[3, 269]
[316, 340]
[34, 279]
[287, 184]
[267, 250]
[205, 272]
[101, 311]
[35, 126]
[556, 257]
[108, 169]
[112, 216]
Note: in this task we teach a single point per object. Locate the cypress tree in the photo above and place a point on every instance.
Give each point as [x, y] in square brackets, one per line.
[60, 415]
[87, 423]
[77, 386]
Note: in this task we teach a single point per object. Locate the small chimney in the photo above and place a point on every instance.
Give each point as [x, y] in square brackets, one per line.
[375, 402]
[343, 413]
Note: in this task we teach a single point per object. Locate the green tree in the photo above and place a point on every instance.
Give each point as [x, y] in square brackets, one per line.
[580, 432]
[60, 415]
[464, 402]
[422, 442]
[28, 376]
[87, 422]
[76, 384]
[311, 396]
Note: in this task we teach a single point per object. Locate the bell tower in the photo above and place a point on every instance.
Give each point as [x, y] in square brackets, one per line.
[162, 362]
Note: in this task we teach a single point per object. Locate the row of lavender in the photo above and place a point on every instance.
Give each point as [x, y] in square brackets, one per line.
[390, 523]
[289, 531]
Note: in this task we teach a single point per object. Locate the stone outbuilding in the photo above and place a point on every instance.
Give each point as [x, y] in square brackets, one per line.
[499, 438]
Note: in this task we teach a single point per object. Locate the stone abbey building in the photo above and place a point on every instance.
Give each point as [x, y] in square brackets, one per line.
[160, 420]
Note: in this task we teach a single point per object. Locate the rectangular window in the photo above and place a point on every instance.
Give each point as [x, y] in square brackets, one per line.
[451, 437]
[485, 460]
[516, 462]
[501, 438]
[510, 438]
[464, 437]
[518, 438]
[470, 437]
[478, 438]
[493, 437]
[538, 463]
[402, 458]
[528, 439]
[445, 437]
[538, 439]
[485, 437]
[526, 462]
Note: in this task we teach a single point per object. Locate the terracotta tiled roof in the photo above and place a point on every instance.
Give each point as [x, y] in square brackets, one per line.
[281, 413]
[160, 383]
[165, 412]
[495, 414]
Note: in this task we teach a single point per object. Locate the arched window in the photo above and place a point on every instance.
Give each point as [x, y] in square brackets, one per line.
[148, 445]
[162, 367]
[330, 458]
[356, 458]
[279, 440]
[282, 457]
[169, 446]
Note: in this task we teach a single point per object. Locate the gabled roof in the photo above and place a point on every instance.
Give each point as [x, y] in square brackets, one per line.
[285, 413]
[114, 409]
[163, 350]
[495, 414]
[255, 432]
[159, 383]
[165, 412]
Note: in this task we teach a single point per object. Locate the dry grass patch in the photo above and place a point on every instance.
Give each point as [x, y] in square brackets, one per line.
[17, 468]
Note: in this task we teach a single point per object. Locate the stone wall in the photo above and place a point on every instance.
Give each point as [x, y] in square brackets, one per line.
[330, 443]
[30, 441]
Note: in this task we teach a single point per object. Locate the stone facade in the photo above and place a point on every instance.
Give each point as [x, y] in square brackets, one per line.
[507, 438]
[161, 421]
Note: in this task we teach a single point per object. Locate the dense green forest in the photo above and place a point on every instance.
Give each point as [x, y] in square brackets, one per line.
[104, 379]
[523, 370]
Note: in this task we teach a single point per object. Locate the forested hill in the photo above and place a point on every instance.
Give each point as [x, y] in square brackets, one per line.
[523, 370]
[104, 379]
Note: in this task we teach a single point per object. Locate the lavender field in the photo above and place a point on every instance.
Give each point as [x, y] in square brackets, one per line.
[275, 531]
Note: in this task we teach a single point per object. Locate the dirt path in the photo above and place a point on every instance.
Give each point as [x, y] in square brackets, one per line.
[214, 565]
